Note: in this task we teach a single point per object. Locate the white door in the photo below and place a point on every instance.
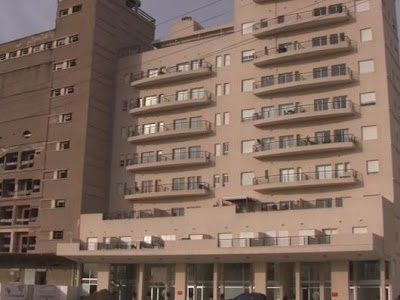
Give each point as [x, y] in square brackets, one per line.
[324, 172]
[287, 175]
[29, 276]
[92, 244]
[245, 237]
[225, 240]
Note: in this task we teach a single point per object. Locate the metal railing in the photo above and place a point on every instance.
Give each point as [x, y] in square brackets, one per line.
[289, 205]
[302, 142]
[296, 46]
[122, 245]
[301, 16]
[292, 77]
[298, 109]
[301, 177]
[175, 187]
[178, 126]
[142, 214]
[275, 241]
[201, 65]
[188, 155]
[175, 98]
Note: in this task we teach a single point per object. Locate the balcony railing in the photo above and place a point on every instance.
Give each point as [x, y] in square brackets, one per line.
[175, 187]
[172, 101]
[300, 20]
[175, 127]
[301, 50]
[275, 241]
[142, 214]
[303, 142]
[295, 80]
[122, 245]
[304, 177]
[190, 155]
[310, 111]
[165, 75]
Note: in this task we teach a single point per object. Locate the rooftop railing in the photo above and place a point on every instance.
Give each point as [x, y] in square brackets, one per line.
[275, 241]
[122, 245]
[143, 214]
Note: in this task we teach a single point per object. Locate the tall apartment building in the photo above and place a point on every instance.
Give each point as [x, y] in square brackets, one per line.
[57, 98]
[257, 156]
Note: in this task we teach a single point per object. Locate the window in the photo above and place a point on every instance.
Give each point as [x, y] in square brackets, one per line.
[178, 184]
[368, 98]
[246, 178]
[324, 172]
[24, 51]
[320, 72]
[182, 67]
[13, 54]
[64, 118]
[58, 66]
[76, 8]
[248, 55]
[218, 90]
[247, 28]
[60, 42]
[336, 38]
[285, 78]
[59, 203]
[338, 70]
[226, 118]
[248, 114]
[219, 61]
[372, 166]
[366, 34]
[63, 145]
[335, 9]
[57, 235]
[71, 63]
[248, 146]
[227, 89]
[330, 231]
[360, 230]
[320, 41]
[197, 93]
[225, 179]
[366, 66]
[180, 96]
[227, 60]
[3, 56]
[62, 174]
[63, 12]
[74, 38]
[26, 134]
[218, 150]
[362, 5]
[218, 120]
[319, 11]
[225, 148]
[69, 90]
[176, 212]
[217, 180]
[369, 132]
[247, 85]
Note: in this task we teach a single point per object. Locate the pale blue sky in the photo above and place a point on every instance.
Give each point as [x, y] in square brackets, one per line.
[19, 18]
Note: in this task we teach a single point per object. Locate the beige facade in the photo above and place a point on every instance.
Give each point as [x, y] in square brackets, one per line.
[257, 156]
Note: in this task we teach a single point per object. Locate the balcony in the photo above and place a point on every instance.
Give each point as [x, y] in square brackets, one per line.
[294, 82]
[145, 214]
[303, 146]
[168, 191]
[300, 21]
[288, 241]
[172, 74]
[303, 113]
[293, 181]
[170, 131]
[172, 102]
[168, 161]
[300, 51]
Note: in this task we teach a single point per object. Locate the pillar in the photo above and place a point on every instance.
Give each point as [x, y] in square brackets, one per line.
[140, 281]
[297, 280]
[103, 277]
[340, 280]
[180, 281]
[260, 277]
[216, 280]
[382, 279]
[321, 281]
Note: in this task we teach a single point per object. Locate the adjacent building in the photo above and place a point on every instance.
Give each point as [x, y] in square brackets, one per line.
[258, 156]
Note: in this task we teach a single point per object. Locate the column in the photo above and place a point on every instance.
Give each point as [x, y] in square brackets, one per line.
[103, 277]
[382, 279]
[216, 279]
[340, 280]
[180, 281]
[140, 281]
[260, 277]
[321, 281]
[297, 280]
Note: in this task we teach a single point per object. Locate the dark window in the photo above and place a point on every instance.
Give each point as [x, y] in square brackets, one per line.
[335, 9]
[319, 11]
[58, 235]
[76, 8]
